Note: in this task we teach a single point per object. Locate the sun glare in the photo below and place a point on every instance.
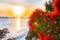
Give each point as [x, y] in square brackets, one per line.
[18, 11]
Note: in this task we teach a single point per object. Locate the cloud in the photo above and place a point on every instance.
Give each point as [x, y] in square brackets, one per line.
[29, 2]
[32, 2]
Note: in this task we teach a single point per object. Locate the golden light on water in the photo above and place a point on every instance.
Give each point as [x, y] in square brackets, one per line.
[18, 22]
[18, 11]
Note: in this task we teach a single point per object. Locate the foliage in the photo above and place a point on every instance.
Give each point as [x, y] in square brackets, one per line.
[46, 26]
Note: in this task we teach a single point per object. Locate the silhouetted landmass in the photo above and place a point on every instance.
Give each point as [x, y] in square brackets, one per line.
[3, 32]
[7, 17]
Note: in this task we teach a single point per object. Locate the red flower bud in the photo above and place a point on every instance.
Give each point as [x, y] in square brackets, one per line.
[41, 37]
[48, 38]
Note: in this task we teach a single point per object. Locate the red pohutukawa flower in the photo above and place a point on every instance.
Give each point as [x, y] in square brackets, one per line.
[48, 38]
[56, 4]
[35, 14]
[41, 37]
[56, 12]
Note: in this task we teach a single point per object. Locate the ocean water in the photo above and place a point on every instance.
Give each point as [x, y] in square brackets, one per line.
[10, 24]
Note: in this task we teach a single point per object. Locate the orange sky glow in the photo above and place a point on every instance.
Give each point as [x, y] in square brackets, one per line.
[6, 12]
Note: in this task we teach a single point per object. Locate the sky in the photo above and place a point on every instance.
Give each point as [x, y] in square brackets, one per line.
[29, 3]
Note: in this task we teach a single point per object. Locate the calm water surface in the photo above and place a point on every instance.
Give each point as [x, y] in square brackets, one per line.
[10, 24]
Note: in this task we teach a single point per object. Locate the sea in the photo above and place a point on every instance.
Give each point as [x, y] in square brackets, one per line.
[10, 24]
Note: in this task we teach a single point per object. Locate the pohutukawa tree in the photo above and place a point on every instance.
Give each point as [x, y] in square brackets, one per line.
[44, 25]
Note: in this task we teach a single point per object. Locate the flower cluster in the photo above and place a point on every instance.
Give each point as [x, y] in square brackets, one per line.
[40, 21]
